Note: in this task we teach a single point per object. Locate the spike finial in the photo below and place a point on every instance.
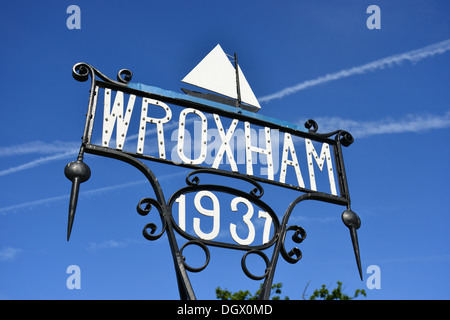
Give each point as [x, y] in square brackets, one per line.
[352, 221]
[77, 172]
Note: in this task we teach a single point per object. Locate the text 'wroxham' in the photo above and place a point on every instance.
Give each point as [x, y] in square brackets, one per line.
[192, 137]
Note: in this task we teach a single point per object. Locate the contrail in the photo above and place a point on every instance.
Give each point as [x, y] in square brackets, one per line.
[412, 56]
[48, 201]
[39, 147]
[363, 129]
[38, 162]
[66, 149]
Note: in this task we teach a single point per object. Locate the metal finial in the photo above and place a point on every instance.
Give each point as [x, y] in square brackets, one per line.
[77, 172]
[352, 221]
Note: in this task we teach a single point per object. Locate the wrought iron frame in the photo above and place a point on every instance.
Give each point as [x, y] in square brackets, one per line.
[78, 172]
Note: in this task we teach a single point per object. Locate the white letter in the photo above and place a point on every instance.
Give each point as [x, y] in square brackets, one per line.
[204, 137]
[73, 21]
[159, 125]
[225, 309]
[374, 281]
[74, 280]
[324, 153]
[225, 146]
[267, 306]
[267, 151]
[109, 118]
[374, 21]
[289, 146]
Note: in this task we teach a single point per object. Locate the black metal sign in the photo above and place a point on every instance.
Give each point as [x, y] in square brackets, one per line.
[133, 122]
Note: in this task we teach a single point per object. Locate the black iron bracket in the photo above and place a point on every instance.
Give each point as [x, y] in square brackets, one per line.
[78, 172]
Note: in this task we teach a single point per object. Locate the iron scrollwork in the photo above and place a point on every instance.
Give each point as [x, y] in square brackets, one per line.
[78, 172]
[152, 226]
[245, 269]
[205, 250]
[297, 237]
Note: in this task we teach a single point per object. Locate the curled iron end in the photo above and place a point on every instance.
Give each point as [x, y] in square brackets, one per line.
[77, 172]
[345, 138]
[311, 125]
[127, 75]
[352, 221]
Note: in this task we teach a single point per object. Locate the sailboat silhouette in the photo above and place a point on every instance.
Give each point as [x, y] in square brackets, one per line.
[217, 74]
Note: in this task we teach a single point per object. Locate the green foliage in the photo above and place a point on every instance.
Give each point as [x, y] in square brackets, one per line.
[319, 294]
[246, 295]
[336, 294]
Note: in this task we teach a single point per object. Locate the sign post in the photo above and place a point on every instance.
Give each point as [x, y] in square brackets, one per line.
[133, 122]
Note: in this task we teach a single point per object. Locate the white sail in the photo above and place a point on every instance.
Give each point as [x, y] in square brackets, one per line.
[216, 73]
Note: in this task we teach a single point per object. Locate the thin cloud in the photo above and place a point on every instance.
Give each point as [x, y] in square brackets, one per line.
[112, 244]
[38, 147]
[363, 129]
[38, 162]
[9, 253]
[65, 150]
[411, 56]
[48, 201]
[93, 246]
[32, 204]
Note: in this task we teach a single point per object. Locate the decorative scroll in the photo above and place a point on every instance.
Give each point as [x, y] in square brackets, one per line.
[300, 151]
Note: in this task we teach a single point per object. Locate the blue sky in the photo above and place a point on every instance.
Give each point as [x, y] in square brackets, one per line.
[389, 87]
